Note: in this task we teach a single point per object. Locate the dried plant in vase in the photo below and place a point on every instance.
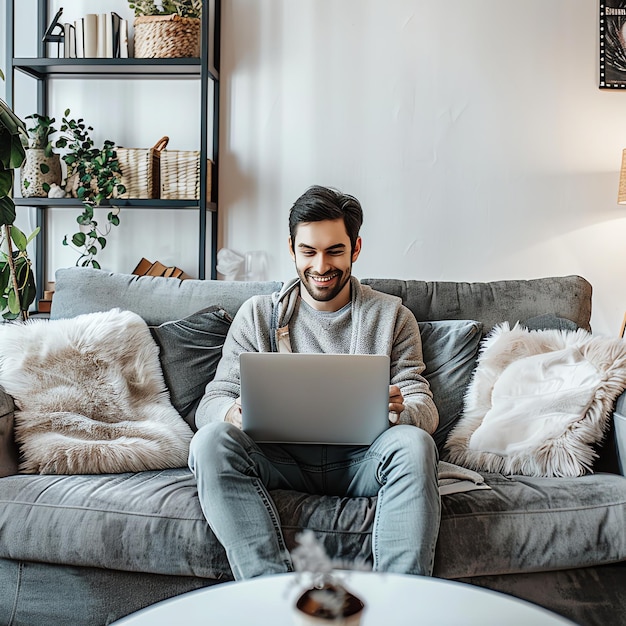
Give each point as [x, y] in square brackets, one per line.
[326, 600]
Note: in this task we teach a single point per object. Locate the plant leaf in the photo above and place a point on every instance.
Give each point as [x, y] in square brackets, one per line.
[13, 302]
[18, 237]
[7, 211]
[6, 182]
[78, 239]
[33, 234]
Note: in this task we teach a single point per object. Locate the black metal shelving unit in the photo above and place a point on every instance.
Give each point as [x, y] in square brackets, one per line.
[43, 69]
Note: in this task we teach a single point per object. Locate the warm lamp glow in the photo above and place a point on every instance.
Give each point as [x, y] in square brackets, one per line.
[621, 194]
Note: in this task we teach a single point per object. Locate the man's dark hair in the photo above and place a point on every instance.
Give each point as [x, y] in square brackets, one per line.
[324, 203]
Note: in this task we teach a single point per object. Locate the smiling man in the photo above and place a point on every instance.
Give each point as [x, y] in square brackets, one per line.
[325, 309]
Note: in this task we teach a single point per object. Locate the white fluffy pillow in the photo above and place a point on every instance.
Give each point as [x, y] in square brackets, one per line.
[538, 402]
[90, 396]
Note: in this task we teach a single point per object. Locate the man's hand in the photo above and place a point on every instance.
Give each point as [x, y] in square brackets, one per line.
[234, 414]
[396, 404]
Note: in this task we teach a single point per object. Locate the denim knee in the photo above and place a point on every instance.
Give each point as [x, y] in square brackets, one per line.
[208, 445]
[413, 444]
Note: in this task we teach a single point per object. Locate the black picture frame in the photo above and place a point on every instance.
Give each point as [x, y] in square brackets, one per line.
[612, 44]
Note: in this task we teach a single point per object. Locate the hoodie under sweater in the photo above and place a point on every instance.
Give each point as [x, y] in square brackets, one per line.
[373, 323]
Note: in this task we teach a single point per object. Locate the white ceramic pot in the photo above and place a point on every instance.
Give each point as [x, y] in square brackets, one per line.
[39, 172]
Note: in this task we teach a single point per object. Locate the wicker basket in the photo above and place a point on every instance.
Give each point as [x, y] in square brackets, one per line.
[166, 36]
[180, 175]
[140, 169]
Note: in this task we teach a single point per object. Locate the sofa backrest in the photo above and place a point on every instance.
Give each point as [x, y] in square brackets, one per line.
[491, 303]
[84, 290]
[156, 299]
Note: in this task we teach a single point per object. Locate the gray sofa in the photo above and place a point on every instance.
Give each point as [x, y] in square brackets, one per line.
[89, 549]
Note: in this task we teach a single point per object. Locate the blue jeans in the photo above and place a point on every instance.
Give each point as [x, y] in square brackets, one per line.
[235, 476]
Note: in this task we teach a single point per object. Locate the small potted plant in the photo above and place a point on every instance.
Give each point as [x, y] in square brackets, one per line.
[42, 167]
[17, 283]
[93, 176]
[168, 30]
[325, 600]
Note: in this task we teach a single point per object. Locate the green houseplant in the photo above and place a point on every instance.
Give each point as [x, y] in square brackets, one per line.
[93, 176]
[17, 282]
[183, 8]
[42, 167]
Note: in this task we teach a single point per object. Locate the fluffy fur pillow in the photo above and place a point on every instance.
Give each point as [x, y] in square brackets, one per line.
[90, 396]
[538, 402]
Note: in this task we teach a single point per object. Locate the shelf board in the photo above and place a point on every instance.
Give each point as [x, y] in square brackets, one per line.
[111, 68]
[126, 203]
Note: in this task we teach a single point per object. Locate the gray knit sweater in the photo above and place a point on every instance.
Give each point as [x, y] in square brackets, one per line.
[374, 323]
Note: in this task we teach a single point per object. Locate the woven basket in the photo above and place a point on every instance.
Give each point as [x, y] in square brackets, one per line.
[180, 175]
[141, 171]
[166, 36]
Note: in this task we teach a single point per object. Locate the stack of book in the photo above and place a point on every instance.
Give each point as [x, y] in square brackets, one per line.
[97, 35]
[45, 304]
[147, 268]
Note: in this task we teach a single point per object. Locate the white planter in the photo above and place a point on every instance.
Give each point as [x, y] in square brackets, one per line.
[39, 172]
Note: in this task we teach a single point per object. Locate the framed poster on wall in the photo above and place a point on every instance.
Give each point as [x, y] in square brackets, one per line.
[612, 44]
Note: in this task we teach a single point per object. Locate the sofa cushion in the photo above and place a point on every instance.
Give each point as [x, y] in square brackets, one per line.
[86, 403]
[152, 522]
[450, 348]
[189, 351]
[539, 402]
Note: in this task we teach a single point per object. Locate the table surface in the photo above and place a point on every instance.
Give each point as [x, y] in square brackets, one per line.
[389, 598]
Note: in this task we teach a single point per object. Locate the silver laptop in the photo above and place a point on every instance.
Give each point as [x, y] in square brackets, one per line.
[314, 398]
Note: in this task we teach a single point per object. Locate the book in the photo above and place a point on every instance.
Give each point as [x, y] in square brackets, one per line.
[180, 274]
[44, 306]
[116, 21]
[156, 269]
[79, 28]
[101, 39]
[69, 41]
[124, 51]
[108, 37]
[90, 34]
[142, 267]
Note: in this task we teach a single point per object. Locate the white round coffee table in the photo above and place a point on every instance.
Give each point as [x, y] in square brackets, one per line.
[390, 599]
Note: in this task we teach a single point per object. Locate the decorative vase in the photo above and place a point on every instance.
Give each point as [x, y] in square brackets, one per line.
[330, 605]
[39, 172]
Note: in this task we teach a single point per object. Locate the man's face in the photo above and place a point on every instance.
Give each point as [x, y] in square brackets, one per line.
[324, 259]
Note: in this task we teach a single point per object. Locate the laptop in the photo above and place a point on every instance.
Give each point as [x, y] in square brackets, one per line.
[314, 398]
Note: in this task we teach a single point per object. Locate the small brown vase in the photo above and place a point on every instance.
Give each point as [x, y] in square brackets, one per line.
[330, 604]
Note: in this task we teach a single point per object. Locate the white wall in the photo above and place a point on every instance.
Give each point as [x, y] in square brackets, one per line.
[472, 131]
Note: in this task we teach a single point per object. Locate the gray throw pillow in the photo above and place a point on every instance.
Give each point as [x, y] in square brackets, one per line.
[450, 348]
[190, 350]
[549, 322]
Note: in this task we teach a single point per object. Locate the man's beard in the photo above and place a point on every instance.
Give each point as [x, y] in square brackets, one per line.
[322, 294]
